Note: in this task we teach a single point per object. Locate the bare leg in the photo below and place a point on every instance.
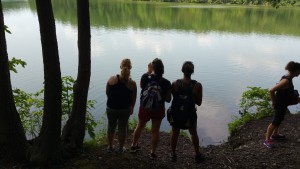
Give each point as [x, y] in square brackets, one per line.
[174, 138]
[111, 128]
[270, 130]
[137, 132]
[275, 132]
[155, 134]
[110, 139]
[122, 128]
[195, 138]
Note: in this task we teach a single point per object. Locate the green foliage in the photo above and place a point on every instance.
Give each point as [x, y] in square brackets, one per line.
[255, 104]
[239, 122]
[275, 3]
[67, 95]
[30, 107]
[90, 122]
[184, 134]
[256, 99]
[101, 136]
[6, 29]
[14, 62]
[91, 144]
[132, 123]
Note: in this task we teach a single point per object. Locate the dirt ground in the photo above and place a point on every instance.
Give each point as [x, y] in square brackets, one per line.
[244, 149]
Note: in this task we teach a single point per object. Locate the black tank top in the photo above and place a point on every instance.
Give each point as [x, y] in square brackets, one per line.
[282, 95]
[119, 96]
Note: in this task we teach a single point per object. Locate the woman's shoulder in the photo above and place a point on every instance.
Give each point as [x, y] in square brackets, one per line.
[113, 80]
[131, 84]
[197, 83]
[166, 81]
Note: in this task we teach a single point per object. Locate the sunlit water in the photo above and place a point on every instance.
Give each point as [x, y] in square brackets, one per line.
[227, 58]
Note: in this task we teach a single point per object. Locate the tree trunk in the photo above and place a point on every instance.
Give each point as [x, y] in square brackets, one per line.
[47, 147]
[12, 135]
[74, 130]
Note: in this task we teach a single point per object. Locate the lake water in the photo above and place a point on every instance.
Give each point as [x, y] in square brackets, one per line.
[232, 48]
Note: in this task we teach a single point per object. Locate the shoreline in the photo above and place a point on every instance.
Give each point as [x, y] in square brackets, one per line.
[244, 149]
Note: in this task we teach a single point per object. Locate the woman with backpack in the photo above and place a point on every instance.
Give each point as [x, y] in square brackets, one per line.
[155, 91]
[282, 95]
[182, 114]
[121, 97]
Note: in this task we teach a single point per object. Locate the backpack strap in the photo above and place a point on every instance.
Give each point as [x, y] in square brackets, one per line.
[179, 84]
[185, 90]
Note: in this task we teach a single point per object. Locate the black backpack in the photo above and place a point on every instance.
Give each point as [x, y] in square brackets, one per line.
[151, 96]
[182, 113]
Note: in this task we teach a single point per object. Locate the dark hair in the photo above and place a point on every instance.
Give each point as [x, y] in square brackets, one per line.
[158, 67]
[187, 68]
[292, 66]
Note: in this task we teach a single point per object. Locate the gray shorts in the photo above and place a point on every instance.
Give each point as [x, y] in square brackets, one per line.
[117, 117]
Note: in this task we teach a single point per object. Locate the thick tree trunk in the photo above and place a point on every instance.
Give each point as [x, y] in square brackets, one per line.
[74, 131]
[47, 147]
[12, 136]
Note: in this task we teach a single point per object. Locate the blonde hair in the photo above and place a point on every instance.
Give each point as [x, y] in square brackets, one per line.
[125, 70]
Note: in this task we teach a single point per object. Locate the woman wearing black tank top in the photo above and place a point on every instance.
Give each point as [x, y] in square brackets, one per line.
[279, 96]
[187, 70]
[121, 96]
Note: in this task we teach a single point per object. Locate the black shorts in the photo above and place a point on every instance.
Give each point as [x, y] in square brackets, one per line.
[279, 115]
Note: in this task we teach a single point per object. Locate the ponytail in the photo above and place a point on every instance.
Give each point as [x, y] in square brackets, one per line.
[125, 70]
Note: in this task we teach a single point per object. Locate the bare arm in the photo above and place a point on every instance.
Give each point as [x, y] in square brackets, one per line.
[134, 89]
[281, 85]
[169, 93]
[199, 95]
[107, 89]
[168, 96]
[173, 88]
[111, 81]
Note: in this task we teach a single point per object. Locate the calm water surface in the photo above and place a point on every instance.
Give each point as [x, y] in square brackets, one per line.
[231, 47]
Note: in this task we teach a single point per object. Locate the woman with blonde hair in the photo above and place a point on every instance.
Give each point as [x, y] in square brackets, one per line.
[121, 97]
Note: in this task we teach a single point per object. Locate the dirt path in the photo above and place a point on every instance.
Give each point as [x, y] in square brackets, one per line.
[244, 150]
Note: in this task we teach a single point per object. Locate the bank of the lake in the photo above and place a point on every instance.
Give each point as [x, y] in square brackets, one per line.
[244, 149]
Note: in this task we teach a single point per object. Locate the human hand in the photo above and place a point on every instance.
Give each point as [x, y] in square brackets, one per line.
[150, 68]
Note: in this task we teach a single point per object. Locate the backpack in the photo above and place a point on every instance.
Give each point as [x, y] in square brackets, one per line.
[291, 96]
[182, 113]
[151, 96]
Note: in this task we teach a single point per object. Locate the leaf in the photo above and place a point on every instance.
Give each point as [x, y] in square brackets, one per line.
[6, 29]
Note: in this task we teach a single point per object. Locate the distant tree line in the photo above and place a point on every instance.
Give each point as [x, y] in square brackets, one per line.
[244, 2]
[118, 14]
